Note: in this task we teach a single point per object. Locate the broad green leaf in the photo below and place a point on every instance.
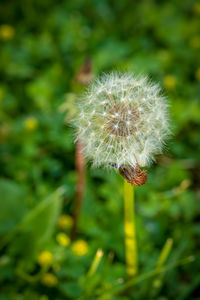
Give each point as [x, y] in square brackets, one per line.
[12, 205]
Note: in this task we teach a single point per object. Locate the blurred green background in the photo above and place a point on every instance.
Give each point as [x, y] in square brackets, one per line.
[43, 45]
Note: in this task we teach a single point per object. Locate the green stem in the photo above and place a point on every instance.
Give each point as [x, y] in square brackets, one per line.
[164, 253]
[95, 263]
[130, 232]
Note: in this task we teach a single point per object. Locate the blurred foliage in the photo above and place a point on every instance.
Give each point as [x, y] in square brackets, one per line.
[42, 46]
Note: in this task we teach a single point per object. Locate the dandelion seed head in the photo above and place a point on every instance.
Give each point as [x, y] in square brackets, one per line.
[125, 123]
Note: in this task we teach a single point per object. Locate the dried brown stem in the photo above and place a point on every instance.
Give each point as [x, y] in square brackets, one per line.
[80, 186]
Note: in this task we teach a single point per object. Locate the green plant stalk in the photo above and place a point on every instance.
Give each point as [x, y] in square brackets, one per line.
[158, 279]
[130, 231]
[95, 263]
[164, 253]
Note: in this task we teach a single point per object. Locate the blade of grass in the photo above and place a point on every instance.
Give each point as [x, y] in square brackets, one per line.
[91, 280]
[164, 253]
[119, 289]
[154, 272]
[156, 284]
[95, 263]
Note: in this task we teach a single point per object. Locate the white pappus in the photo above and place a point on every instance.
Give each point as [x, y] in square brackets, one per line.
[122, 120]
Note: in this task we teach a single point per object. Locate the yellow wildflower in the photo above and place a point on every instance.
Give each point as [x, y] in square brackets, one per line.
[49, 279]
[63, 239]
[6, 32]
[197, 74]
[45, 258]
[80, 247]
[195, 42]
[31, 123]
[157, 283]
[65, 222]
[44, 297]
[197, 8]
[170, 82]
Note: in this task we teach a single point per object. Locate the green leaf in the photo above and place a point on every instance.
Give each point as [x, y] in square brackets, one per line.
[12, 205]
[37, 227]
[42, 220]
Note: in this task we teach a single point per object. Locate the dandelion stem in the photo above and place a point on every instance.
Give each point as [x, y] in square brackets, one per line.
[129, 229]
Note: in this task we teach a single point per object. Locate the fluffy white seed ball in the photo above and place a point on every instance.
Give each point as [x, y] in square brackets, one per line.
[122, 119]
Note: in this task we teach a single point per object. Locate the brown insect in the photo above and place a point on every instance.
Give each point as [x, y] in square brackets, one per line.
[134, 176]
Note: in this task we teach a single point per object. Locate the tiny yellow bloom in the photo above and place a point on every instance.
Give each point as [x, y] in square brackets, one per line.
[157, 283]
[197, 8]
[1, 93]
[195, 42]
[45, 258]
[197, 74]
[49, 280]
[44, 297]
[31, 123]
[65, 222]
[62, 239]
[170, 82]
[80, 247]
[6, 32]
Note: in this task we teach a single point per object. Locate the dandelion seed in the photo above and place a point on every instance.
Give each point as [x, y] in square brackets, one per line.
[117, 122]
